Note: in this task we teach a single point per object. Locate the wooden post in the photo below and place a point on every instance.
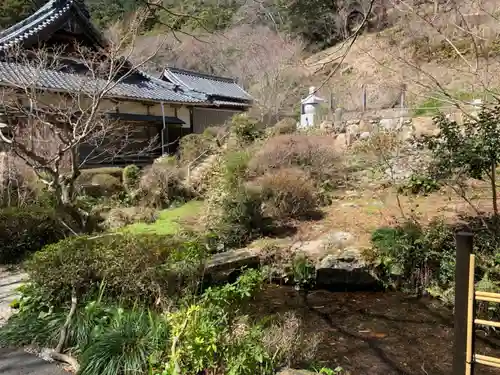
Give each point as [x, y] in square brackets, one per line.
[462, 351]
[402, 100]
[364, 98]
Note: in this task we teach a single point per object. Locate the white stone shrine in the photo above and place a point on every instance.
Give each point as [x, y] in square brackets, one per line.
[309, 107]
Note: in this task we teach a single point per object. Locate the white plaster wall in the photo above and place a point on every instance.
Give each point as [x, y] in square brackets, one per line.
[184, 115]
[108, 105]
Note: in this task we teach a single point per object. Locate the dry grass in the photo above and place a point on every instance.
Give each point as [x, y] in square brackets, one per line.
[122, 216]
[287, 193]
[414, 52]
[313, 153]
[19, 185]
[161, 184]
[288, 340]
[360, 213]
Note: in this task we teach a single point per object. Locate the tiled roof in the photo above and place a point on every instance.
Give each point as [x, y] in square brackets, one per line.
[43, 23]
[66, 79]
[211, 85]
[230, 103]
[194, 87]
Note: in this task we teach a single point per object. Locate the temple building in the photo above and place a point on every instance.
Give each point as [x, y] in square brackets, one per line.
[168, 107]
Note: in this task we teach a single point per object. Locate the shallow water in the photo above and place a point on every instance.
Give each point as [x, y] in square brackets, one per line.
[377, 333]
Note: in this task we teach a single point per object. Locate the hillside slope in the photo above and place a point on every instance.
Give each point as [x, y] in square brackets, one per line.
[454, 52]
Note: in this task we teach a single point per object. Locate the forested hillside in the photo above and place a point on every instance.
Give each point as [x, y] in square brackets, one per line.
[320, 23]
[276, 48]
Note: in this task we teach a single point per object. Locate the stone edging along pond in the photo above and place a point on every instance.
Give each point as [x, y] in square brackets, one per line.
[339, 269]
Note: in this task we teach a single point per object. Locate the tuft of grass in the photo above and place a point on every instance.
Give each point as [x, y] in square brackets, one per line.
[125, 346]
[169, 221]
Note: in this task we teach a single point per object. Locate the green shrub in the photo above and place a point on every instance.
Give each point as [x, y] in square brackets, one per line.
[139, 267]
[106, 339]
[125, 344]
[302, 271]
[245, 129]
[419, 184]
[234, 168]
[241, 220]
[233, 210]
[130, 177]
[26, 230]
[208, 338]
[413, 257]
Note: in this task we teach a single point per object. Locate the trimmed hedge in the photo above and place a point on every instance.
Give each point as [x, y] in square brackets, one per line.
[144, 268]
[26, 230]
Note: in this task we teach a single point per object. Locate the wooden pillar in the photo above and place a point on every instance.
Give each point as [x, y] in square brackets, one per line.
[462, 349]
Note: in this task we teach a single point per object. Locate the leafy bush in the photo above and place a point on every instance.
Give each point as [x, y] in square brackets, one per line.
[245, 129]
[162, 184]
[131, 177]
[302, 271]
[413, 257]
[233, 209]
[211, 337]
[420, 185]
[314, 154]
[471, 150]
[287, 193]
[140, 267]
[107, 339]
[26, 230]
[241, 218]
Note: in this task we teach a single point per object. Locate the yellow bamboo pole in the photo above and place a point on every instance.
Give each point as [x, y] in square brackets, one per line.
[487, 361]
[488, 299]
[488, 323]
[470, 316]
[487, 294]
[487, 358]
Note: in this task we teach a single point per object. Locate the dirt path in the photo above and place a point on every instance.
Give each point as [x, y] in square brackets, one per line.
[18, 361]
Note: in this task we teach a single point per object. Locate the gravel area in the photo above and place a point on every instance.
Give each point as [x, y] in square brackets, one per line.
[10, 280]
[16, 361]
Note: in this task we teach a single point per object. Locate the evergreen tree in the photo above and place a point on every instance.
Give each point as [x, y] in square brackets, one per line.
[13, 11]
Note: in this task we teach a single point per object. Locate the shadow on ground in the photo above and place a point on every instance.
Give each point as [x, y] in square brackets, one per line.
[18, 362]
[376, 333]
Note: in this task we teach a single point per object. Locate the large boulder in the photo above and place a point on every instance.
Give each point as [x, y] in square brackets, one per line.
[346, 267]
[338, 261]
[289, 371]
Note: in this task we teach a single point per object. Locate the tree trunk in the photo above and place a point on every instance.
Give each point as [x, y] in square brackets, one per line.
[64, 194]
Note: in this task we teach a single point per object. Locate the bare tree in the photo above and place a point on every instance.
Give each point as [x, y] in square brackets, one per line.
[56, 133]
[266, 63]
